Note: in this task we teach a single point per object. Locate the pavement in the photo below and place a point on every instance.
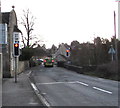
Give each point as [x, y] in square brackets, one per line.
[20, 93]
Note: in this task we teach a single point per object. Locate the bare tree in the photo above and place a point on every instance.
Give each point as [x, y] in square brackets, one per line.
[28, 21]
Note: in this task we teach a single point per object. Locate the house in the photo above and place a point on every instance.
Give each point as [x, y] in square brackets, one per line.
[8, 26]
[62, 54]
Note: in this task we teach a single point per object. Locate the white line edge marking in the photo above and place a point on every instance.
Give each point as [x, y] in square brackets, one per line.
[29, 72]
[34, 87]
[44, 100]
[41, 97]
[102, 90]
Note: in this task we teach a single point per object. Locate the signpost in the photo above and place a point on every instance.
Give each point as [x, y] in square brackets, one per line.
[112, 52]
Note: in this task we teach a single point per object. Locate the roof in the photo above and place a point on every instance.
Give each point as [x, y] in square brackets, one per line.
[5, 17]
[16, 29]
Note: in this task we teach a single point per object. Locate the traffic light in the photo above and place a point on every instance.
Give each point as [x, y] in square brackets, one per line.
[16, 49]
[67, 52]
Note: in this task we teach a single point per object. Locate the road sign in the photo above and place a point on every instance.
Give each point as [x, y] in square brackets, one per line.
[16, 37]
[111, 51]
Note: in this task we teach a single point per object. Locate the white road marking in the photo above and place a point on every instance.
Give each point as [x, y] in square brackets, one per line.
[82, 83]
[56, 83]
[34, 87]
[29, 72]
[106, 91]
[44, 100]
[40, 96]
[44, 93]
[33, 103]
[73, 82]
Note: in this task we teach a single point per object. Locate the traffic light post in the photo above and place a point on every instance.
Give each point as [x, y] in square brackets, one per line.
[16, 55]
[16, 68]
[16, 38]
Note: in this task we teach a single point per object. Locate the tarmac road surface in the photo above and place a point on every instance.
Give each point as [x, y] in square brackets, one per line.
[62, 87]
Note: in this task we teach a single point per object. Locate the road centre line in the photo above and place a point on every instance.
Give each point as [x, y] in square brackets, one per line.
[106, 91]
[82, 83]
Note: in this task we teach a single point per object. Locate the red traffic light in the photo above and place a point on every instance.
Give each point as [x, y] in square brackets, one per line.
[67, 50]
[16, 49]
[16, 45]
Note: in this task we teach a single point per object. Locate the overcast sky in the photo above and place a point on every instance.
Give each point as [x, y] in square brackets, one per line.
[60, 21]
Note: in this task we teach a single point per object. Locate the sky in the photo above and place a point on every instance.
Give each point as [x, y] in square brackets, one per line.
[62, 21]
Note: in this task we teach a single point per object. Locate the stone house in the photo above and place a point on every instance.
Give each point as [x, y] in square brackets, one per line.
[61, 54]
[9, 23]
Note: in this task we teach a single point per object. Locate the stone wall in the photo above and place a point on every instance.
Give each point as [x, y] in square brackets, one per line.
[23, 65]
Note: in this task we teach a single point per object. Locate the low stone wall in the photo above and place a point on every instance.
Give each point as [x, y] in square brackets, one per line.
[79, 69]
[23, 65]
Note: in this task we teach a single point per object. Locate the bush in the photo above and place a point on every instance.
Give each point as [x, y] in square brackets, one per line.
[27, 53]
[109, 70]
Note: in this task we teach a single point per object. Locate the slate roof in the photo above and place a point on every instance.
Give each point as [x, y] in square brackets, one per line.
[5, 17]
[16, 29]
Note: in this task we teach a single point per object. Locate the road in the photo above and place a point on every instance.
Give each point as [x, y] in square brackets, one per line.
[62, 87]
